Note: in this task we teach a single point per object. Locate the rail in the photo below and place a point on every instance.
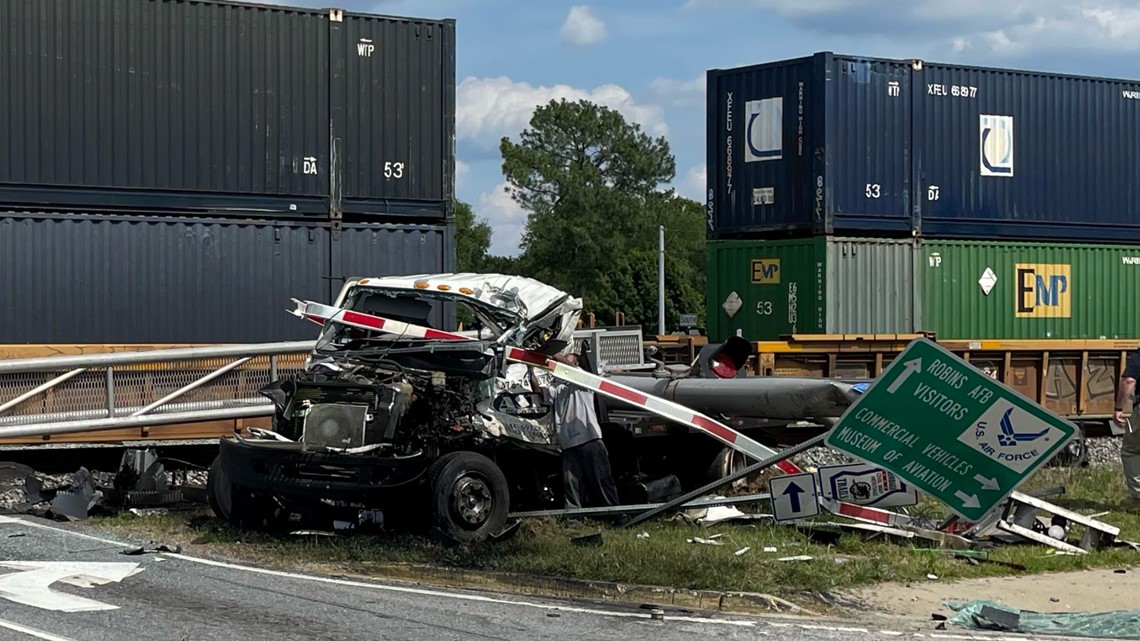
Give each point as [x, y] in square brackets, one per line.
[131, 392]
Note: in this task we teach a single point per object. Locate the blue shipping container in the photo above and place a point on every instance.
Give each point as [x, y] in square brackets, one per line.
[842, 144]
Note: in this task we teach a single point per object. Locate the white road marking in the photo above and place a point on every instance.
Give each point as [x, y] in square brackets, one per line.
[32, 585]
[448, 595]
[388, 588]
[39, 634]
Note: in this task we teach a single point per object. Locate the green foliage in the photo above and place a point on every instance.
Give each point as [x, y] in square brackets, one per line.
[472, 239]
[592, 184]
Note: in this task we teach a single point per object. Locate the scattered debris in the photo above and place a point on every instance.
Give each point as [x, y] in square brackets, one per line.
[589, 540]
[643, 535]
[802, 557]
[741, 551]
[987, 615]
[704, 541]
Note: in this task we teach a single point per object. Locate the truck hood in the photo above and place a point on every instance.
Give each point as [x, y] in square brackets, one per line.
[520, 311]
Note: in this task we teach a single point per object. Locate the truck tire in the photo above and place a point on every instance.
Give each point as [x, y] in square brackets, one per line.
[218, 491]
[470, 497]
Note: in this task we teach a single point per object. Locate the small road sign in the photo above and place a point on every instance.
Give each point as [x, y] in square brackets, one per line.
[949, 430]
[794, 496]
[863, 484]
[688, 320]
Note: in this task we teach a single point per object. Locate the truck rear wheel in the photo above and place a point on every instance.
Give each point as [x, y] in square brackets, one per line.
[471, 499]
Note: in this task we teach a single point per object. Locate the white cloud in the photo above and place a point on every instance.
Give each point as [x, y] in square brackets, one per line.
[506, 218]
[680, 92]
[1009, 27]
[490, 108]
[461, 171]
[582, 27]
[694, 185]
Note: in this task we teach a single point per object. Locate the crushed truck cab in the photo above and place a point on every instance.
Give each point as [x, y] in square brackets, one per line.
[394, 412]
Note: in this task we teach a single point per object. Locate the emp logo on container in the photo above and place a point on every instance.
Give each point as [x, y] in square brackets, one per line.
[1044, 291]
[996, 143]
[766, 271]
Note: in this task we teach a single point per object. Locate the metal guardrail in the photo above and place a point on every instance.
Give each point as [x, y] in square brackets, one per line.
[68, 394]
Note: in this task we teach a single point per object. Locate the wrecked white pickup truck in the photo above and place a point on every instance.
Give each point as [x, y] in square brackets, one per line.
[433, 427]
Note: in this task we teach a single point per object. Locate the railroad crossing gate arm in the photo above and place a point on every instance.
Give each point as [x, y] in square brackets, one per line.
[321, 314]
[654, 404]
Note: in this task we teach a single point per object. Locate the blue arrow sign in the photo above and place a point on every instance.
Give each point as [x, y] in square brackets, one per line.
[794, 491]
[794, 496]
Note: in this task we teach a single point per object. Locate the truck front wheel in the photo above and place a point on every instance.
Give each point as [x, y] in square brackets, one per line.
[471, 499]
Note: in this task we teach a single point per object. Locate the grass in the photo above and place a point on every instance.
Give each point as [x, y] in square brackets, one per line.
[665, 558]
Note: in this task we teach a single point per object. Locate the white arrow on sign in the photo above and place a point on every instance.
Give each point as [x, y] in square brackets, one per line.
[987, 483]
[910, 367]
[968, 500]
[32, 585]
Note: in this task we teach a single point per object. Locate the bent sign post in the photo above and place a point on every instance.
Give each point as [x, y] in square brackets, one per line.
[946, 428]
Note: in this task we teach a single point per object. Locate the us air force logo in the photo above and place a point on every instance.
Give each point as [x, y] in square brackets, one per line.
[1011, 436]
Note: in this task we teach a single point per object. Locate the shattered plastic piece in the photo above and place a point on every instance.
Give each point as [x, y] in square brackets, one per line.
[152, 511]
[769, 548]
[709, 541]
[981, 615]
[932, 577]
[643, 535]
[743, 550]
[802, 557]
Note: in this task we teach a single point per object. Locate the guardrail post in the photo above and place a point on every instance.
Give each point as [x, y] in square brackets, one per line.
[272, 367]
[110, 392]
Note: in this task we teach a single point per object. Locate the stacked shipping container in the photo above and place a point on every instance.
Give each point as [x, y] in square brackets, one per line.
[860, 189]
[276, 149]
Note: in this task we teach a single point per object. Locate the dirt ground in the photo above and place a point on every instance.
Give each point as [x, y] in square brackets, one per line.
[1085, 591]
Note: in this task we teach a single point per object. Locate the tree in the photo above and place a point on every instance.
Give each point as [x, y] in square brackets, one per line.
[585, 175]
[592, 185]
[472, 239]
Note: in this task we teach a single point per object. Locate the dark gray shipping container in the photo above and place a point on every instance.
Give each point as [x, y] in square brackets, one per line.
[225, 108]
[70, 278]
[840, 144]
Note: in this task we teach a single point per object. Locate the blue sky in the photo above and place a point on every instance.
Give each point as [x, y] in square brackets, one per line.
[647, 58]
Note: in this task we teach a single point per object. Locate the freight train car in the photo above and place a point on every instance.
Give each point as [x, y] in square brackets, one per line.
[848, 145]
[959, 290]
[225, 108]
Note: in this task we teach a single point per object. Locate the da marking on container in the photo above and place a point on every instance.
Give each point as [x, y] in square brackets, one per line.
[949, 430]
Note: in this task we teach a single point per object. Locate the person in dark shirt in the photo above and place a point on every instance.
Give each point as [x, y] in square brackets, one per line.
[1127, 415]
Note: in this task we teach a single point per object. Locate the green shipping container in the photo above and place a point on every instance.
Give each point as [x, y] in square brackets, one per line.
[766, 289]
[960, 290]
[1009, 290]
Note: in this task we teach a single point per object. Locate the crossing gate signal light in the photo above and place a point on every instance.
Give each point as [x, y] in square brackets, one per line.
[730, 357]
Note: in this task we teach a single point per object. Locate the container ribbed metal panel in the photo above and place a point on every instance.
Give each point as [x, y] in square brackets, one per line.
[870, 286]
[779, 285]
[817, 144]
[115, 279]
[1027, 155]
[224, 108]
[1005, 290]
[397, 95]
[180, 96]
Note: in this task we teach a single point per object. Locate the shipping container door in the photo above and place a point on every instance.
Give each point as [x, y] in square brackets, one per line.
[397, 95]
[196, 99]
[760, 144]
[866, 168]
[376, 250]
[870, 286]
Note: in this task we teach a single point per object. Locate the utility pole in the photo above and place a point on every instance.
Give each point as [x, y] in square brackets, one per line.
[661, 279]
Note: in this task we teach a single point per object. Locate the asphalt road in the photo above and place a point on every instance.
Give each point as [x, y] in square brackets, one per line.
[97, 593]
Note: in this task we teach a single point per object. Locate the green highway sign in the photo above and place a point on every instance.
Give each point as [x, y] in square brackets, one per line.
[946, 428]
